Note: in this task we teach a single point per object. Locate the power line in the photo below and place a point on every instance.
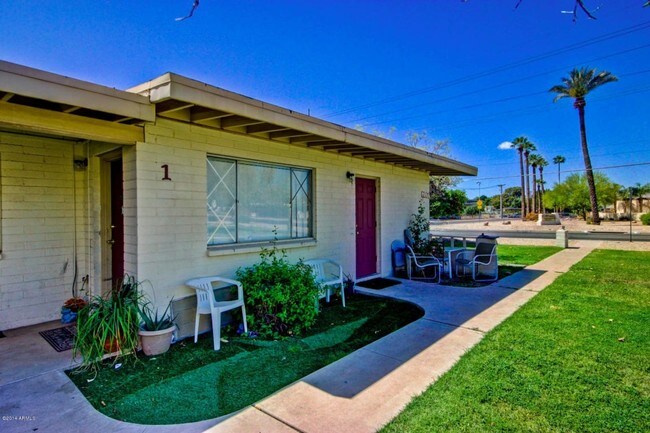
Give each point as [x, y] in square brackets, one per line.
[519, 112]
[552, 53]
[564, 171]
[577, 157]
[506, 84]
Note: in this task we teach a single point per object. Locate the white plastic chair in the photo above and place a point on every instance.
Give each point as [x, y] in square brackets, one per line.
[421, 264]
[329, 274]
[206, 304]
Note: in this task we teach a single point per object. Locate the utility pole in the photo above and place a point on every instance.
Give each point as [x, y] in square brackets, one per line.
[479, 202]
[630, 214]
[501, 199]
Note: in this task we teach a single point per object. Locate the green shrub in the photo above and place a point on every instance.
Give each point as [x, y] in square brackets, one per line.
[280, 297]
[419, 228]
[645, 219]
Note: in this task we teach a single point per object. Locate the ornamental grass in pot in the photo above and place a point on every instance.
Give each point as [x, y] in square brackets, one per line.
[109, 324]
[156, 332]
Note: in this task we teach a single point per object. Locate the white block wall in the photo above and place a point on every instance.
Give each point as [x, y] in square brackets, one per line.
[165, 221]
[37, 232]
[171, 215]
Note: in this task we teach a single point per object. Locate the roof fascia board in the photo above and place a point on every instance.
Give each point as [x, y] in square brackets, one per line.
[185, 89]
[24, 118]
[35, 83]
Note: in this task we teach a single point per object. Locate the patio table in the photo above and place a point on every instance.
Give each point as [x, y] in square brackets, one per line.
[452, 253]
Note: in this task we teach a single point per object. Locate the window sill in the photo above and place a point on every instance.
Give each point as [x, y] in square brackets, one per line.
[256, 247]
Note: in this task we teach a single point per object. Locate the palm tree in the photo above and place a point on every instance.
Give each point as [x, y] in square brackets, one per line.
[559, 160]
[540, 194]
[541, 163]
[519, 143]
[528, 147]
[534, 160]
[579, 83]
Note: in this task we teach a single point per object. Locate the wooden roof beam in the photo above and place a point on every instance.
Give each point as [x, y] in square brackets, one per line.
[344, 146]
[288, 134]
[309, 139]
[323, 143]
[368, 152]
[171, 105]
[6, 97]
[238, 121]
[201, 114]
[264, 128]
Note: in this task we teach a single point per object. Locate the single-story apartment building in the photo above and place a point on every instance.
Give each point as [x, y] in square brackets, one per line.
[176, 179]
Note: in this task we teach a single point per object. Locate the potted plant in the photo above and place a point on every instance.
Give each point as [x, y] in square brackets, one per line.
[109, 324]
[348, 285]
[71, 307]
[156, 331]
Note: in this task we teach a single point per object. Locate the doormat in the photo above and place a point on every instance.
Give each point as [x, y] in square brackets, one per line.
[60, 339]
[378, 283]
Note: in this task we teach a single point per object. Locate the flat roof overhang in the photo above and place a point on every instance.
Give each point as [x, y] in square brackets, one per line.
[42, 102]
[183, 99]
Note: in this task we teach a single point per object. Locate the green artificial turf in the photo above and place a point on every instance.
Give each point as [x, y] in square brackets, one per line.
[573, 359]
[192, 382]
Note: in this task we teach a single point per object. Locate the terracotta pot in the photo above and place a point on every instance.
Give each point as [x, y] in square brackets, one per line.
[156, 342]
[112, 345]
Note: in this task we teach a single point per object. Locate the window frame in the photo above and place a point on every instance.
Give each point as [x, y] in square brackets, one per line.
[309, 239]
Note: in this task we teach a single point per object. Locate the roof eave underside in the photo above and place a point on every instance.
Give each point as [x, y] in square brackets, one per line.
[21, 86]
[187, 100]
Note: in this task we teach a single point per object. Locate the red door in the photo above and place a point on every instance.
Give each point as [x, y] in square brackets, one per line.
[366, 221]
[117, 222]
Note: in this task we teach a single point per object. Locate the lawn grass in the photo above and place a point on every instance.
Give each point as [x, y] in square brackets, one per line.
[192, 382]
[524, 254]
[573, 359]
[512, 259]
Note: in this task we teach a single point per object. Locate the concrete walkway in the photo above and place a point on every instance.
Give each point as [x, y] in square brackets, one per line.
[359, 393]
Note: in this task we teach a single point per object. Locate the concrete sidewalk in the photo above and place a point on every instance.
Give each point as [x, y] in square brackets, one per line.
[358, 393]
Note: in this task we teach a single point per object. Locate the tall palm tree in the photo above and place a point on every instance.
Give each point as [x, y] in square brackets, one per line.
[559, 160]
[541, 163]
[540, 195]
[533, 159]
[519, 143]
[579, 83]
[528, 147]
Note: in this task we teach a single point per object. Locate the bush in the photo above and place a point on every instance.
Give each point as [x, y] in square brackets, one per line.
[280, 297]
[531, 216]
[645, 219]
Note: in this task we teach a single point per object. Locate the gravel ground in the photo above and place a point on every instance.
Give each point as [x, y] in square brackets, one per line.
[570, 224]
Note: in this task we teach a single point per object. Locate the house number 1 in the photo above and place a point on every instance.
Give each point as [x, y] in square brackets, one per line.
[165, 172]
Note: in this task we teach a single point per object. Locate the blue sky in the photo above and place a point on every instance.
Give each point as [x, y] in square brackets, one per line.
[474, 72]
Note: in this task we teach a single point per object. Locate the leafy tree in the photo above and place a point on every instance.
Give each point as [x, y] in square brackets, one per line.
[422, 140]
[579, 83]
[512, 197]
[574, 193]
[449, 202]
[639, 191]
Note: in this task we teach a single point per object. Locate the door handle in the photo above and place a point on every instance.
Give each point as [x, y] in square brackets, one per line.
[110, 241]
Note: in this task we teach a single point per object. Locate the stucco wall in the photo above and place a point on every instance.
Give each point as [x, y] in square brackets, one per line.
[171, 215]
[37, 201]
